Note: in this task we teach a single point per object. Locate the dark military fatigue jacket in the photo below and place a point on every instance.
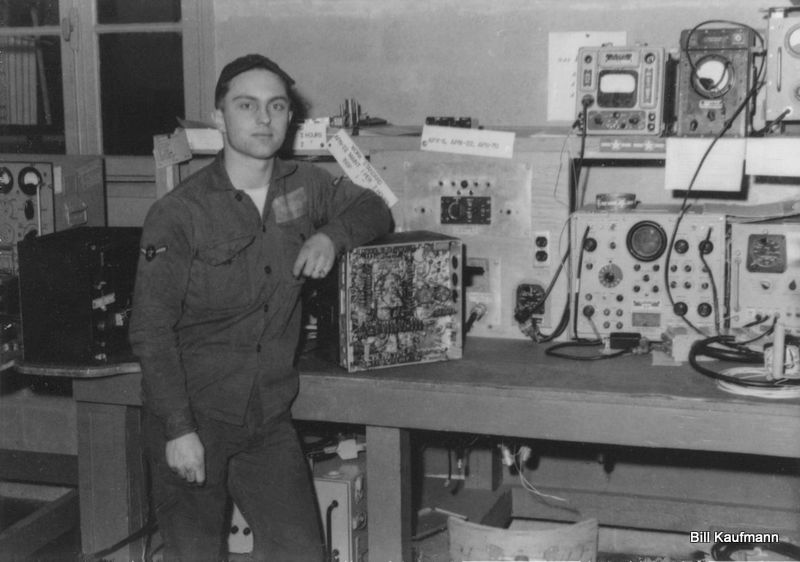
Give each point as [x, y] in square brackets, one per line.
[216, 308]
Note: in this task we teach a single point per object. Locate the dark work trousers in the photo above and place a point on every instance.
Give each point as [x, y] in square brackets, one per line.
[260, 465]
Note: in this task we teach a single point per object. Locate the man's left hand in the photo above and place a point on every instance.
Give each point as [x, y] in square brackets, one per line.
[316, 257]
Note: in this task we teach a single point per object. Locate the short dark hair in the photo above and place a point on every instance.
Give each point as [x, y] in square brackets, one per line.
[243, 64]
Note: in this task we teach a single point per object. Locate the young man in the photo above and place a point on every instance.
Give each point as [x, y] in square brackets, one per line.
[216, 320]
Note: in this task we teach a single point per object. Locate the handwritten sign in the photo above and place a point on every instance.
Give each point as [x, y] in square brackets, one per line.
[357, 167]
[562, 67]
[477, 142]
[311, 135]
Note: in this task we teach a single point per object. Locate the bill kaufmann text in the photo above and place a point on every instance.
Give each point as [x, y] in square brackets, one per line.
[724, 537]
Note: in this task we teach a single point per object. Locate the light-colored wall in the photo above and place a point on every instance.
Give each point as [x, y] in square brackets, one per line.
[406, 59]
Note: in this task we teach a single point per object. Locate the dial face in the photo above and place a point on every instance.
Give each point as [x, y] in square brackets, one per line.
[766, 253]
[29, 180]
[647, 241]
[793, 41]
[713, 76]
[6, 180]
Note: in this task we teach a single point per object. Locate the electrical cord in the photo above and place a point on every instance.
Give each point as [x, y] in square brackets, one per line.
[733, 352]
[150, 527]
[535, 334]
[684, 204]
[563, 323]
[576, 296]
[693, 67]
[555, 351]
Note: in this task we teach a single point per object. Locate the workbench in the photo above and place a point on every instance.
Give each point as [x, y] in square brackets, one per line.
[501, 387]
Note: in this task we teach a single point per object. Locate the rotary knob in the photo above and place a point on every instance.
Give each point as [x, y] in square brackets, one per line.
[610, 275]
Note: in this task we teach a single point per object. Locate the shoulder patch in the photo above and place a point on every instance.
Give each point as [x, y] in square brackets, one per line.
[150, 252]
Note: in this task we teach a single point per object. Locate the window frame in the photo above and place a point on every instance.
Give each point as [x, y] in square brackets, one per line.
[80, 64]
[83, 121]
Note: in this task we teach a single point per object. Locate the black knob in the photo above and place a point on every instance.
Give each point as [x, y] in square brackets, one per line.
[704, 309]
[590, 245]
[681, 246]
[706, 247]
[680, 309]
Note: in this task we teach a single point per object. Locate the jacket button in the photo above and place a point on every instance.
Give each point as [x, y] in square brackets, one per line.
[238, 196]
[266, 307]
[267, 269]
[258, 348]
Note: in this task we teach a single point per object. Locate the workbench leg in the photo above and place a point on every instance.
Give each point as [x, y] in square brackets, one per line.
[389, 494]
[111, 480]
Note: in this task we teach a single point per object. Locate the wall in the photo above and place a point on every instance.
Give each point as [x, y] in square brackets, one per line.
[406, 59]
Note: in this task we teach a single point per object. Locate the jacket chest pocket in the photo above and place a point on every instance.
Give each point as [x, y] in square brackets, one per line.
[223, 274]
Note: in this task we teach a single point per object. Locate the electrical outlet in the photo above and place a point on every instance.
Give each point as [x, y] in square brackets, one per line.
[541, 252]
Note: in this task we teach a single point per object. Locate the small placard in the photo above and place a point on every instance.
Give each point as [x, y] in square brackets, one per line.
[637, 145]
[357, 167]
[169, 150]
[311, 135]
[722, 169]
[773, 157]
[476, 142]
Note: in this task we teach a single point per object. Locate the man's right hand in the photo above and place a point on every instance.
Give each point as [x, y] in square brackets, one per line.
[186, 456]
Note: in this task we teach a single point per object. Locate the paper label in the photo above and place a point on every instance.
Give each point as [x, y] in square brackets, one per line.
[773, 157]
[476, 142]
[169, 150]
[722, 170]
[312, 135]
[357, 167]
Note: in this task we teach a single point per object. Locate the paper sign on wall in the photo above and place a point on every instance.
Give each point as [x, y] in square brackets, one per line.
[562, 67]
[476, 142]
[773, 157]
[722, 169]
[357, 167]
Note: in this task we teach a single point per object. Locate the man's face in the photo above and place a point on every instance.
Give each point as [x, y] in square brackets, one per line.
[254, 115]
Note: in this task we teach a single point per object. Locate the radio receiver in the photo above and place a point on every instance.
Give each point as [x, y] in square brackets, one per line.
[622, 277]
[715, 74]
[765, 273]
[782, 88]
[621, 89]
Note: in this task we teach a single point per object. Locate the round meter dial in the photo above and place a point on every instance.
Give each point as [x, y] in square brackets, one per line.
[647, 241]
[6, 180]
[712, 76]
[30, 180]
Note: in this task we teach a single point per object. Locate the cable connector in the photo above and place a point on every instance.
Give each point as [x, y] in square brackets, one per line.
[624, 340]
[508, 458]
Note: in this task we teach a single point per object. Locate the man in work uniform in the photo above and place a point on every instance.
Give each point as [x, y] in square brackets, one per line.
[216, 320]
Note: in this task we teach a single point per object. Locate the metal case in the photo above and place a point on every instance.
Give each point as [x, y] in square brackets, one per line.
[623, 282]
[76, 289]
